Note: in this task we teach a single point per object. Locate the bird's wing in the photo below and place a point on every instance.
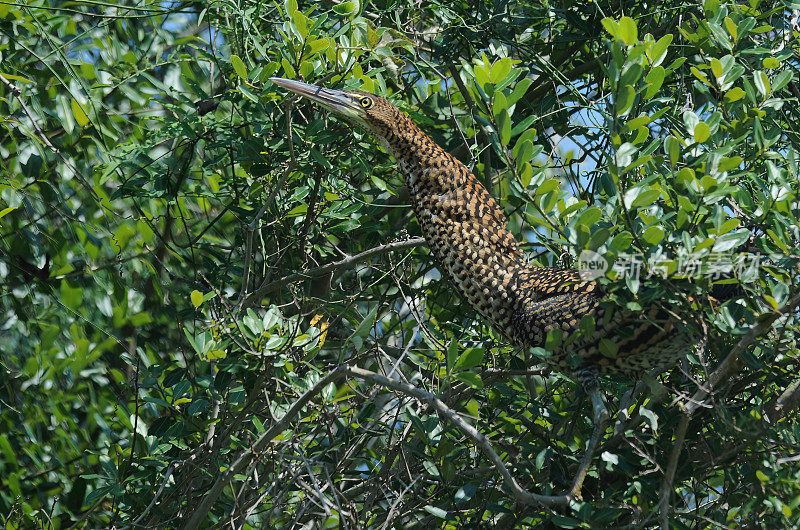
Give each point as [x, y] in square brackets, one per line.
[546, 282]
[614, 343]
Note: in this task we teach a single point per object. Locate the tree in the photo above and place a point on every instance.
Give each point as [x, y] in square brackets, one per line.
[218, 309]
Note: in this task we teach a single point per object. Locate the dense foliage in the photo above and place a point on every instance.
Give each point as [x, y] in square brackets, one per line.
[185, 251]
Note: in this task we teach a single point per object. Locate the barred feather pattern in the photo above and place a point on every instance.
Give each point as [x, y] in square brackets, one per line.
[467, 233]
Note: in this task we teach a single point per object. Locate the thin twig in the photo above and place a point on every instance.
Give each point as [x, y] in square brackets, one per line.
[669, 474]
[724, 371]
[45, 140]
[164, 482]
[343, 264]
[583, 467]
[258, 446]
[251, 227]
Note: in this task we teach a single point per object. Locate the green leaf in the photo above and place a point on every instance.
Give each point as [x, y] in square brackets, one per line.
[554, 339]
[481, 75]
[672, 146]
[781, 80]
[366, 325]
[71, 297]
[6, 211]
[505, 128]
[701, 132]
[519, 90]
[523, 153]
[771, 62]
[319, 45]
[731, 27]
[637, 122]
[345, 8]
[646, 198]
[651, 418]
[611, 26]
[720, 36]
[198, 406]
[499, 105]
[728, 163]
[12, 77]
[469, 359]
[716, 67]
[653, 235]
[762, 83]
[627, 30]
[470, 378]
[729, 225]
[608, 348]
[589, 216]
[621, 241]
[465, 492]
[526, 174]
[500, 69]
[238, 67]
[654, 79]
[197, 298]
[79, 113]
[658, 50]
[731, 240]
[547, 186]
[627, 95]
[437, 512]
[8, 453]
[247, 93]
[624, 155]
[300, 23]
[734, 94]
[700, 75]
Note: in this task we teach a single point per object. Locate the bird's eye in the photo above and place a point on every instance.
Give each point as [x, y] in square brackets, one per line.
[366, 102]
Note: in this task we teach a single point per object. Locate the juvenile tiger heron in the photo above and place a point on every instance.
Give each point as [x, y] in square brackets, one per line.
[467, 233]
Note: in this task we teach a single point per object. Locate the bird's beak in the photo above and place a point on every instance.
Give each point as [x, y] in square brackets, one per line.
[338, 101]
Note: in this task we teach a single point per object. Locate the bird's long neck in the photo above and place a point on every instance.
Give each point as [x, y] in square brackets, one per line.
[418, 156]
[467, 233]
[464, 226]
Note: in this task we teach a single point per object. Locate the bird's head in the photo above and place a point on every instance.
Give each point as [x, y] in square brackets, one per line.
[370, 112]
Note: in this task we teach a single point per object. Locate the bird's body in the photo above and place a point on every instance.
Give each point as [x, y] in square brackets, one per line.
[468, 235]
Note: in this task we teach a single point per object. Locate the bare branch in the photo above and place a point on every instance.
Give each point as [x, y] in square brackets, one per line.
[786, 402]
[258, 446]
[730, 364]
[520, 495]
[669, 475]
[341, 265]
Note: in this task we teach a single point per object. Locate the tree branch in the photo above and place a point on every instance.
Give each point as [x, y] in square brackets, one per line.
[346, 263]
[724, 371]
[730, 364]
[786, 402]
[249, 455]
[46, 141]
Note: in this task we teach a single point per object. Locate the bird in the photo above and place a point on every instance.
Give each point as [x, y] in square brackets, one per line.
[467, 232]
